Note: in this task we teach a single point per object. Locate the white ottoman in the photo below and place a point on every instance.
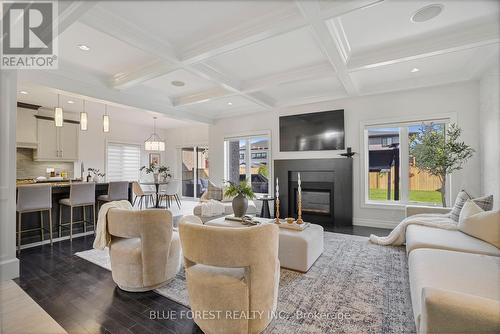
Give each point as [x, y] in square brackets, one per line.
[298, 250]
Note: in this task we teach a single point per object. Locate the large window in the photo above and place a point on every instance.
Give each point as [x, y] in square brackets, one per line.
[194, 170]
[247, 158]
[392, 174]
[123, 162]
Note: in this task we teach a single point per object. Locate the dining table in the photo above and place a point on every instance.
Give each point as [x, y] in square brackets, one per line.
[157, 186]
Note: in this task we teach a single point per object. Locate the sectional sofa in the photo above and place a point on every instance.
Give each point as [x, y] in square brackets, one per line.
[454, 279]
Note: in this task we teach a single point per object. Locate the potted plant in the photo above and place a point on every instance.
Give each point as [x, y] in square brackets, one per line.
[97, 175]
[157, 170]
[439, 152]
[241, 192]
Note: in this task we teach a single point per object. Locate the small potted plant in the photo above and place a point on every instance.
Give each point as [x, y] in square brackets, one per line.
[164, 171]
[157, 170]
[241, 192]
[97, 175]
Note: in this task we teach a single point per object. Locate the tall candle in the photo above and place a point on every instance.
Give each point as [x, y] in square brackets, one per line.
[299, 182]
[277, 188]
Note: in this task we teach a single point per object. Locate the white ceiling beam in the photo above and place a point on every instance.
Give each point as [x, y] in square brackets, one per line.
[76, 82]
[70, 12]
[145, 73]
[311, 11]
[204, 96]
[452, 39]
[337, 8]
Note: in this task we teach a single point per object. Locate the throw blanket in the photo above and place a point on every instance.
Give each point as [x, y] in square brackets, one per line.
[212, 208]
[397, 237]
[102, 237]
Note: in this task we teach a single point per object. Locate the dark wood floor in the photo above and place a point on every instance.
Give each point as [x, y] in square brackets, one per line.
[83, 298]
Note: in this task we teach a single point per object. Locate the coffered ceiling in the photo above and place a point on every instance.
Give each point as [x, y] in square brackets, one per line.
[204, 60]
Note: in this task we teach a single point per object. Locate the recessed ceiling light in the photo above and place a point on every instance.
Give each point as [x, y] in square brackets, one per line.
[177, 83]
[230, 103]
[83, 47]
[415, 70]
[23, 92]
[427, 13]
[71, 102]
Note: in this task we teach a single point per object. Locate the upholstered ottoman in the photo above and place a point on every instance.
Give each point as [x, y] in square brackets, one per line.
[298, 250]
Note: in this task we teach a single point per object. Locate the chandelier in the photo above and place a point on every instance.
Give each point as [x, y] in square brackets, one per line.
[154, 142]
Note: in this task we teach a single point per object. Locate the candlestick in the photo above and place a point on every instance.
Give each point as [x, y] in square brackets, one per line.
[299, 202]
[277, 213]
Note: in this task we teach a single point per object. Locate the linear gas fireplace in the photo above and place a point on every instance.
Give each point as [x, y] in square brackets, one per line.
[326, 190]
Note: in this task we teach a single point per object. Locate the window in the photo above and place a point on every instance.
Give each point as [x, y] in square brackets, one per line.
[194, 171]
[392, 173]
[246, 158]
[123, 162]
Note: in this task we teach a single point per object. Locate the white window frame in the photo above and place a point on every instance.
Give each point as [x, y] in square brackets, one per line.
[402, 123]
[247, 136]
[108, 142]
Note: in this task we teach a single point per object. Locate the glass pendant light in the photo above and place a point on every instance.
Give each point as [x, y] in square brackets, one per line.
[105, 119]
[154, 142]
[58, 113]
[83, 118]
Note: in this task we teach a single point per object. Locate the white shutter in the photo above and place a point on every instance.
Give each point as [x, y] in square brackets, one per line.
[123, 161]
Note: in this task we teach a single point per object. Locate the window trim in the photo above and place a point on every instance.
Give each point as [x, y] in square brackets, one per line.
[400, 122]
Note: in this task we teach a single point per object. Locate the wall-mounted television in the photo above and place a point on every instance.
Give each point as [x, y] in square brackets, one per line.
[317, 131]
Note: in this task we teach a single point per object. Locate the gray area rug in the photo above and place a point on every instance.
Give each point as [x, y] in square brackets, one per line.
[354, 287]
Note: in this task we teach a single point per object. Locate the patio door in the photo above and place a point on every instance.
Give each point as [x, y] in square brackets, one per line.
[195, 172]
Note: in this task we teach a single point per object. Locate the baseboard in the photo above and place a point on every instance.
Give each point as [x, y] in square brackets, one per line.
[9, 269]
[47, 241]
[374, 223]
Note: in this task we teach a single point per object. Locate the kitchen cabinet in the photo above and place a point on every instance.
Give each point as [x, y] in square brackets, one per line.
[26, 128]
[56, 144]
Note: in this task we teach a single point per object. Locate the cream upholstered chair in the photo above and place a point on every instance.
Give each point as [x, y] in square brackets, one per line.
[233, 269]
[145, 252]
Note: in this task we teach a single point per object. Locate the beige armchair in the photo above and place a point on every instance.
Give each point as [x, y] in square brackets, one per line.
[230, 271]
[145, 252]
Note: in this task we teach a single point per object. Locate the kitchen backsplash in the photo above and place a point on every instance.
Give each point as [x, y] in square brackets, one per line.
[27, 168]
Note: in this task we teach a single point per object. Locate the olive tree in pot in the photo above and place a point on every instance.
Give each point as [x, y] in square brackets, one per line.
[439, 152]
[241, 192]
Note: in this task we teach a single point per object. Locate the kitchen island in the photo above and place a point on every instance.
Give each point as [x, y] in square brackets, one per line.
[60, 190]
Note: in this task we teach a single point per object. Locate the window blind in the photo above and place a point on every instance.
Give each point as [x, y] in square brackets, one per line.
[123, 162]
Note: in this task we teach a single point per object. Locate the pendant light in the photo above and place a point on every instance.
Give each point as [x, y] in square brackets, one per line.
[154, 142]
[58, 113]
[83, 118]
[105, 119]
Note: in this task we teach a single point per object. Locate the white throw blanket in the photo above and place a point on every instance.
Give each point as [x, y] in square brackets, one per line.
[212, 208]
[102, 237]
[397, 237]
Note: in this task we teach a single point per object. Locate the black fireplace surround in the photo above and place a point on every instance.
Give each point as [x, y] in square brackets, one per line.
[326, 190]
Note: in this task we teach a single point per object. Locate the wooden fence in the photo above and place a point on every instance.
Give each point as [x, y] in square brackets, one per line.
[418, 180]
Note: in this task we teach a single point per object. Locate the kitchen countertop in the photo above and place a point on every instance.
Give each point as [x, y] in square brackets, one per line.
[55, 184]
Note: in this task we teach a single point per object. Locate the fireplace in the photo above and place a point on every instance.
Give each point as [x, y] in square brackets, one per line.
[326, 190]
[317, 195]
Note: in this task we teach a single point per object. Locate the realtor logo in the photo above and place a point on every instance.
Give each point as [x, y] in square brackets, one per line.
[29, 36]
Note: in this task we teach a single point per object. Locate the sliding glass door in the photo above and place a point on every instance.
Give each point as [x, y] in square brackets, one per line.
[194, 161]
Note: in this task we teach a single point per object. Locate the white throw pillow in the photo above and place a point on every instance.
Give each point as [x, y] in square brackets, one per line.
[476, 222]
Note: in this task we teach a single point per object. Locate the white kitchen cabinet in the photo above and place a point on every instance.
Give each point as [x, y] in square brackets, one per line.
[26, 128]
[56, 144]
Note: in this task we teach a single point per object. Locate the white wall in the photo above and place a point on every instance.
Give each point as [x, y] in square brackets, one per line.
[461, 99]
[9, 264]
[489, 117]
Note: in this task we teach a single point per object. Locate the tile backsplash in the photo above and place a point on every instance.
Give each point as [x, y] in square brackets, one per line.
[27, 168]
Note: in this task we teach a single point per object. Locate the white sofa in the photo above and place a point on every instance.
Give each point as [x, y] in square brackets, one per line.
[454, 280]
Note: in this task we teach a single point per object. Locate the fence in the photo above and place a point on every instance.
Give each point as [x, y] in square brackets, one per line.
[418, 180]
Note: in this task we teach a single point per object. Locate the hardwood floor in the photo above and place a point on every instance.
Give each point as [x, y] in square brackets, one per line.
[83, 298]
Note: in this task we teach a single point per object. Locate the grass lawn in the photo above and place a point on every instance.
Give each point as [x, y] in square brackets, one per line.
[415, 196]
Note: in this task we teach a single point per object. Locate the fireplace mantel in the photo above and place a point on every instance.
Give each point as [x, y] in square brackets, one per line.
[342, 180]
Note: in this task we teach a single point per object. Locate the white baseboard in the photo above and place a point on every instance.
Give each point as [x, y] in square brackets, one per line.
[47, 241]
[374, 223]
[9, 269]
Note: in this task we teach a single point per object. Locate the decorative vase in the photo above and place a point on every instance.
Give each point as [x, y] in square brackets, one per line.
[96, 178]
[240, 205]
[155, 178]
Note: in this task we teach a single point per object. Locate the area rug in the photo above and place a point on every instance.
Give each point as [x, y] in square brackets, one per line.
[354, 287]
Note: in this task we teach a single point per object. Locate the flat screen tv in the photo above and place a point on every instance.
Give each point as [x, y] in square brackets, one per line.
[312, 132]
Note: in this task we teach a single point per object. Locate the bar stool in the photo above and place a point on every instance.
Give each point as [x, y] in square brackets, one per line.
[141, 194]
[80, 195]
[34, 198]
[116, 191]
[171, 192]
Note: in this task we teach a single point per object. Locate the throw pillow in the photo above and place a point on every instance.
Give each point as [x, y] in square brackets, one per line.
[484, 225]
[470, 208]
[462, 197]
[214, 192]
[485, 203]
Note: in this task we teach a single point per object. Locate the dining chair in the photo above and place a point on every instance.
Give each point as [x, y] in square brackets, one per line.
[81, 195]
[170, 191]
[142, 195]
[34, 198]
